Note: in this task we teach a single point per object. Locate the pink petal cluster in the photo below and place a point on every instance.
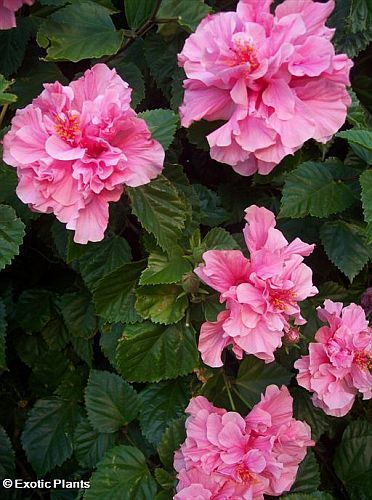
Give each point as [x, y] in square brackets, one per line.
[76, 146]
[274, 79]
[339, 363]
[8, 9]
[261, 293]
[226, 456]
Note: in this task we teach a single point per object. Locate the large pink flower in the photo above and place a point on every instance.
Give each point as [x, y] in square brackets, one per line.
[76, 146]
[8, 9]
[340, 361]
[261, 294]
[274, 79]
[226, 456]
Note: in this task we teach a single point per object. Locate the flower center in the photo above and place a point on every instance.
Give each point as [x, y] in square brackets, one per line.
[67, 126]
[244, 53]
[280, 299]
[363, 360]
[244, 474]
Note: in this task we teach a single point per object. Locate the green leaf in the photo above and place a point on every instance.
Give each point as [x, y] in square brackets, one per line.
[3, 326]
[114, 294]
[78, 313]
[161, 303]
[102, 258]
[308, 475]
[198, 132]
[161, 58]
[138, 12]
[304, 409]
[164, 478]
[313, 189]
[162, 403]
[11, 235]
[163, 268]
[48, 370]
[219, 239]
[83, 348]
[177, 90]
[109, 341]
[90, 445]
[34, 309]
[189, 13]
[72, 384]
[13, 45]
[6, 97]
[345, 246]
[111, 402]
[212, 213]
[314, 495]
[79, 31]
[360, 15]
[172, 438]
[360, 142]
[160, 210]
[366, 183]
[131, 74]
[356, 114]
[175, 174]
[8, 182]
[254, 376]
[55, 333]
[75, 250]
[47, 436]
[7, 457]
[30, 348]
[162, 124]
[149, 353]
[122, 473]
[353, 460]
[350, 36]
[164, 495]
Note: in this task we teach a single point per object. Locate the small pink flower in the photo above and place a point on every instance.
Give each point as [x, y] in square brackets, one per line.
[261, 293]
[274, 79]
[76, 147]
[226, 456]
[339, 363]
[8, 9]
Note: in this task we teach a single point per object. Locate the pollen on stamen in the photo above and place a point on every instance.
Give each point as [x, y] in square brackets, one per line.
[363, 360]
[245, 53]
[67, 127]
[281, 298]
[244, 474]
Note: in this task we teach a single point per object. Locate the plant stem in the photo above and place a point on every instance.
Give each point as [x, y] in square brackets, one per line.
[138, 33]
[227, 385]
[241, 397]
[2, 114]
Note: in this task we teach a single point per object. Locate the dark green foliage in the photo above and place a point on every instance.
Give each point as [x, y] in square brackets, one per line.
[98, 342]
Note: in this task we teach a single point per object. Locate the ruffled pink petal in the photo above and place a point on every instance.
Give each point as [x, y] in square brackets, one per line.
[223, 269]
[212, 341]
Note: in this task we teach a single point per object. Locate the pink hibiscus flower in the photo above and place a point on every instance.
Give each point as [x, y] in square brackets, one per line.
[274, 79]
[261, 293]
[226, 456]
[8, 9]
[76, 146]
[339, 363]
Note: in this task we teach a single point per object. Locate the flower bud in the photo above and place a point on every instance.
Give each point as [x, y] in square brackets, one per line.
[366, 301]
[292, 336]
[190, 283]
